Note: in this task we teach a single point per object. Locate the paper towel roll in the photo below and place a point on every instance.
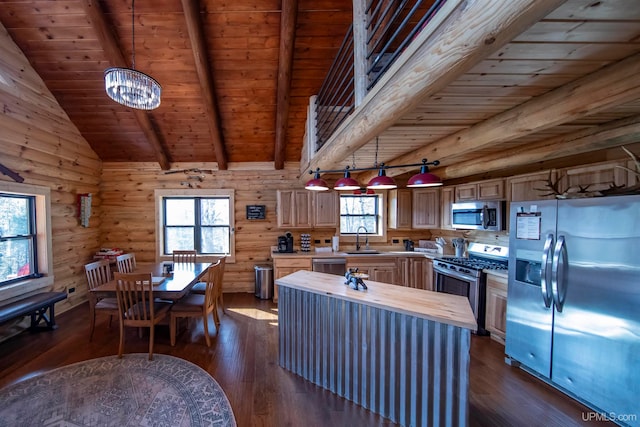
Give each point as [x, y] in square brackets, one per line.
[335, 243]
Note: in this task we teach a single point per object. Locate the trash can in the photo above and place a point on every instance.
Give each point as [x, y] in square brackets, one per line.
[264, 281]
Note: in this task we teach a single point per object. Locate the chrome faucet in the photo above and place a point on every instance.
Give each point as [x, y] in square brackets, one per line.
[366, 241]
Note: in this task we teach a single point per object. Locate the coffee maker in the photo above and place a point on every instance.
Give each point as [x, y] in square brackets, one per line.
[285, 243]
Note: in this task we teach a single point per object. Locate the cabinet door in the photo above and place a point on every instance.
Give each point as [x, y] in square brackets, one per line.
[426, 208]
[491, 189]
[421, 273]
[446, 195]
[303, 209]
[496, 315]
[286, 266]
[326, 209]
[399, 202]
[530, 186]
[385, 274]
[593, 177]
[285, 208]
[466, 192]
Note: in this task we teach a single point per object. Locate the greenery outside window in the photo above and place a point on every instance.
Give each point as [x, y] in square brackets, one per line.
[198, 219]
[362, 211]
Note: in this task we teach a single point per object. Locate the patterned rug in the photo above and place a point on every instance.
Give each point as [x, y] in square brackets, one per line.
[108, 391]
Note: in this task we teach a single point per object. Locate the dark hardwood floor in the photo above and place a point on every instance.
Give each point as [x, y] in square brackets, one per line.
[243, 359]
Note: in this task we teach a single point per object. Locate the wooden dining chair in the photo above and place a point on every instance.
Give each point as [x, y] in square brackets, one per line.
[137, 306]
[98, 273]
[198, 305]
[199, 288]
[184, 256]
[126, 263]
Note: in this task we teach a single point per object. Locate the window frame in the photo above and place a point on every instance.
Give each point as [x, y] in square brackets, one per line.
[161, 195]
[381, 235]
[30, 237]
[43, 240]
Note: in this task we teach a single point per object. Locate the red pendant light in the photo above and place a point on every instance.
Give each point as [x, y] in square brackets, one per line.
[382, 181]
[424, 178]
[346, 183]
[317, 183]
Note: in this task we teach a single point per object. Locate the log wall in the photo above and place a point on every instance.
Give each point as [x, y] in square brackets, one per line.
[40, 143]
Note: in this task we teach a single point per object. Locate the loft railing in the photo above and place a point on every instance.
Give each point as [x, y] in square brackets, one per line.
[335, 100]
[390, 27]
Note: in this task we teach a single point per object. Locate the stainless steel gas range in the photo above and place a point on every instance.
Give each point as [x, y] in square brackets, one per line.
[465, 276]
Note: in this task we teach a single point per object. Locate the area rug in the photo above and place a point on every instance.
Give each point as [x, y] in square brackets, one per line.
[132, 391]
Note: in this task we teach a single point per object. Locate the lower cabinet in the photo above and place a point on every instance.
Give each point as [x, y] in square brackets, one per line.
[379, 269]
[285, 266]
[496, 314]
[420, 273]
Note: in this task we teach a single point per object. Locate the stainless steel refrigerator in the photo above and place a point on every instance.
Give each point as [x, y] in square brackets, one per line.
[573, 307]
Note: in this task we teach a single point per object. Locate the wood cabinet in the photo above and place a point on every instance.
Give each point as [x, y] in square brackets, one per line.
[306, 209]
[420, 273]
[595, 177]
[399, 208]
[447, 196]
[492, 189]
[379, 269]
[285, 266]
[426, 208]
[326, 207]
[496, 314]
[530, 186]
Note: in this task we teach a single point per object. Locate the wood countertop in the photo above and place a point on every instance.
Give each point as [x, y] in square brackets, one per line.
[440, 307]
[312, 254]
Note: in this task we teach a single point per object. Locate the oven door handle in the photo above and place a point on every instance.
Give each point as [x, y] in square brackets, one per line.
[454, 274]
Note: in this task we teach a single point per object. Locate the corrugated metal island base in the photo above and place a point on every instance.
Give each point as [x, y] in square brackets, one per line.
[400, 352]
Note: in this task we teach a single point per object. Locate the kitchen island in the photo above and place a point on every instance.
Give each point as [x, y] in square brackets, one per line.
[399, 352]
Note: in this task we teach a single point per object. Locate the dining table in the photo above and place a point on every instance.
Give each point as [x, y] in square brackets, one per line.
[168, 286]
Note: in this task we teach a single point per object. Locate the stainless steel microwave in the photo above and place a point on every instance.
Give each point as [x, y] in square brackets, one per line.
[489, 216]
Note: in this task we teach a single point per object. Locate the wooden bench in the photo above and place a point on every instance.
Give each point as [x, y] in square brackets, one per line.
[35, 305]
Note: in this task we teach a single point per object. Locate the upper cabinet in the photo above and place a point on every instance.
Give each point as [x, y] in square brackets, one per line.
[492, 189]
[447, 195]
[531, 186]
[306, 209]
[595, 177]
[325, 209]
[426, 208]
[400, 212]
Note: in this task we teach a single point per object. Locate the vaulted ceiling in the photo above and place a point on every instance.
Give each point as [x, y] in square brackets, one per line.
[550, 84]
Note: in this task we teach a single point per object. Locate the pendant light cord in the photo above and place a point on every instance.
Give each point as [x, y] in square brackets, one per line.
[133, 35]
[375, 163]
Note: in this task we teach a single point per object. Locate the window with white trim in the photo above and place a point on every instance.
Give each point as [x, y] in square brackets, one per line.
[198, 219]
[358, 211]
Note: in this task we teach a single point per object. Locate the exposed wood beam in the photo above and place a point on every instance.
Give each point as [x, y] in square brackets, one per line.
[205, 75]
[116, 58]
[603, 89]
[470, 33]
[288, 20]
[608, 135]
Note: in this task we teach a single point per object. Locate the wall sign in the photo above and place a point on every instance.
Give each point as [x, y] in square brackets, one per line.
[256, 211]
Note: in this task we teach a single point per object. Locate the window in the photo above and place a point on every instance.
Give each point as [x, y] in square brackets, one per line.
[18, 248]
[26, 263]
[199, 219]
[361, 211]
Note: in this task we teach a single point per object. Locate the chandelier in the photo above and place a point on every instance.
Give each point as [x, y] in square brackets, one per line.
[130, 87]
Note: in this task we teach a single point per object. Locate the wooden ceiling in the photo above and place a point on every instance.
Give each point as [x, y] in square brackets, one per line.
[237, 76]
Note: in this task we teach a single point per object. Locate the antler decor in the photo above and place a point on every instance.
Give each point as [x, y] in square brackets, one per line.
[553, 187]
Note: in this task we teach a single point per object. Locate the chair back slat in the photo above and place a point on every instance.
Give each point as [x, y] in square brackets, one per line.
[98, 273]
[126, 263]
[135, 298]
[181, 256]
